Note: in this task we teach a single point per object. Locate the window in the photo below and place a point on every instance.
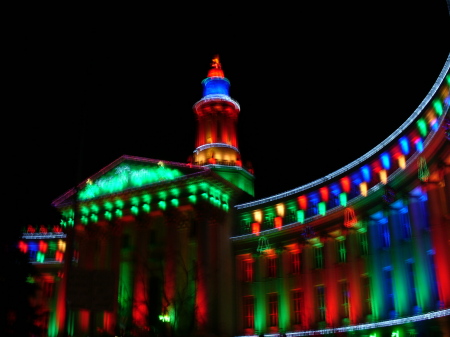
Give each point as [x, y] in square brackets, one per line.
[290, 216]
[433, 280]
[318, 257]
[271, 266]
[342, 251]
[48, 288]
[320, 293]
[345, 295]
[411, 285]
[298, 302]
[295, 262]
[249, 312]
[312, 210]
[390, 306]
[152, 237]
[367, 297]
[273, 309]
[247, 270]
[406, 225]
[385, 236]
[268, 223]
[363, 243]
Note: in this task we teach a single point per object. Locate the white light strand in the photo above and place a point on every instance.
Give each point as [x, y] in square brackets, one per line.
[364, 157]
[367, 326]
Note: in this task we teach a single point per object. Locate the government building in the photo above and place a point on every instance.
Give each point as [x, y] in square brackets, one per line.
[151, 247]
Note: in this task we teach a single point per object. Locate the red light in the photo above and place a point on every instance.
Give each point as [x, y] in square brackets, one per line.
[345, 183]
[43, 246]
[255, 228]
[303, 202]
[324, 193]
[23, 247]
[278, 222]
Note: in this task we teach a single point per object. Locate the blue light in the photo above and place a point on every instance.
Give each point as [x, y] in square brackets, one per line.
[365, 171]
[386, 161]
[404, 145]
[419, 145]
[215, 86]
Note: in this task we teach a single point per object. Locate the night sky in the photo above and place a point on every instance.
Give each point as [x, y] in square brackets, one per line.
[319, 86]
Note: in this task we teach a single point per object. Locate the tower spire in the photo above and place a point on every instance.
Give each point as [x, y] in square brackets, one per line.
[217, 114]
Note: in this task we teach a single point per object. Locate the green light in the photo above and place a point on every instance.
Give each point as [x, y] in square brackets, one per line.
[205, 195]
[322, 208]
[146, 198]
[164, 318]
[134, 201]
[162, 204]
[119, 213]
[192, 188]
[84, 220]
[94, 218]
[119, 203]
[40, 257]
[174, 202]
[162, 195]
[193, 198]
[437, 105]
[134, 210]
[146, 208]
[301, 216]
[127, 176]
[175, 192]
[108, 215]
[343, 199]
[94, 208]
[225, 207]
[422, 126]
[108, 205]
[84, 210]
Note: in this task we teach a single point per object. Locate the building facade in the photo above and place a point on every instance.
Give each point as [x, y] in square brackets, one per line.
[150, 247]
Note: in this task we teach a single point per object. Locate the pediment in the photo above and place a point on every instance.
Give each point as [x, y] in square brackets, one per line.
[128, 173]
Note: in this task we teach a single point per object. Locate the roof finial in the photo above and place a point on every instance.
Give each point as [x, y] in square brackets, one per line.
[216, 63]
[216, 68]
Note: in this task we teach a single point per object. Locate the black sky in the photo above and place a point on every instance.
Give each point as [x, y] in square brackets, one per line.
[318, 85]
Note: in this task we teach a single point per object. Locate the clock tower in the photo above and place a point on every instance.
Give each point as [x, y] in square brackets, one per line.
[216, 142]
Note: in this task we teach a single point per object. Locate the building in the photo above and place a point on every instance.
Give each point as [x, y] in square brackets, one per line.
[153, 247]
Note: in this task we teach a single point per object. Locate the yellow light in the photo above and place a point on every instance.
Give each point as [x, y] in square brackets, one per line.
[363, 189]
[383, 176]
[402, 162]
[280, 210]
[61, 245]
[257, 215]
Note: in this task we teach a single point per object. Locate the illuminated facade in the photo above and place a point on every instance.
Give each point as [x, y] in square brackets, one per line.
[158, 246]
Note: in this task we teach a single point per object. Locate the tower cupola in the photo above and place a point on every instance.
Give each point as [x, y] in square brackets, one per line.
[217, 114]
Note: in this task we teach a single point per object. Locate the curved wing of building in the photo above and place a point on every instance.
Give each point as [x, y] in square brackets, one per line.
[365, 248]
